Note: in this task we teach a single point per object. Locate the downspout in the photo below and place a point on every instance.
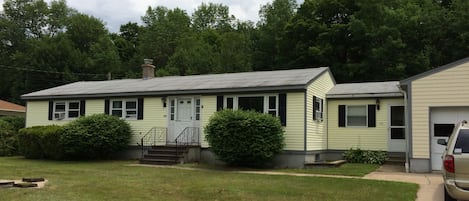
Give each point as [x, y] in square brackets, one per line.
[406, 128]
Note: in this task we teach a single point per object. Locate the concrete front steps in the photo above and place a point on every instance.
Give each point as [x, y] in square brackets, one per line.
[164, 155]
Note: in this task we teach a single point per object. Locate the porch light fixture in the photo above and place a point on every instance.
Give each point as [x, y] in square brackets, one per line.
[163, 100]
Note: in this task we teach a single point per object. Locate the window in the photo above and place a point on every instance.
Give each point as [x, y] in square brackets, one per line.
[318, 108]
[126, 109]
[263, 104]
[462, 141]
[172, 109]
[197, 109]
[442, 130]
[356, 115]
[66, 110]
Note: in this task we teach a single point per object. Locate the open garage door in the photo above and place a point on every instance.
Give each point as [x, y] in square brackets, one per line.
[442, 122]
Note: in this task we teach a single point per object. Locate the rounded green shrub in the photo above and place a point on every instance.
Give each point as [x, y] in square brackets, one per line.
[41, 142]
[8, 139]
[9, 126]
[96, 136]
[244, 138]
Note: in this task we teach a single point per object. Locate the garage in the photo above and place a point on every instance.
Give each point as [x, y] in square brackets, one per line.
[442, 122]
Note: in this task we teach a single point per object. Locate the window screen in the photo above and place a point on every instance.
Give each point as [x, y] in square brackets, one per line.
[251, 103]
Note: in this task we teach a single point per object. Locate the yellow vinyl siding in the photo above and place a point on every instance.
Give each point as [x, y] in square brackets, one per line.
[294, 131]
[209, 107]
[154, 115]
[37, 114]
[445, 88]
[317, 130]
[375, 138]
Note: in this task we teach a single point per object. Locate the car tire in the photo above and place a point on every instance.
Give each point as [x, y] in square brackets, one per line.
[447, 196]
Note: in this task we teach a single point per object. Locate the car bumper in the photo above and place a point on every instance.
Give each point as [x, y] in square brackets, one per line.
[456, 192]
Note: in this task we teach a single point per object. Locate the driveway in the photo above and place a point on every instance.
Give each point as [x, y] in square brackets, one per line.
[431, 184]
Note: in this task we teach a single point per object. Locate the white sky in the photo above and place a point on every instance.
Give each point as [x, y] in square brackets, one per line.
[117, 12]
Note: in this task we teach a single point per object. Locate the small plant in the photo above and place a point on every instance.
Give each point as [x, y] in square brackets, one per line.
[365, 156]
[244, 138]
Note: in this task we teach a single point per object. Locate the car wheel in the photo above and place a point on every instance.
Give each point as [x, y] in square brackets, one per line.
[448, 197]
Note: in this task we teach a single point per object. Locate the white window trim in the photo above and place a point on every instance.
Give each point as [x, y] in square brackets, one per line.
[266, 101]
[124, 108]
[64, 114]
[319, 113]
[346, 117]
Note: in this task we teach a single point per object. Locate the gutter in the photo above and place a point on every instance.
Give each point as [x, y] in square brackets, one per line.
[406, 128]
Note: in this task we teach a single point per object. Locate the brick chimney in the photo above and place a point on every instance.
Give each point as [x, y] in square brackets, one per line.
[148, 69]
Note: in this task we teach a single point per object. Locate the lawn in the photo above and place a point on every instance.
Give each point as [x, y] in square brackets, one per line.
[347, 169]
[115, 180]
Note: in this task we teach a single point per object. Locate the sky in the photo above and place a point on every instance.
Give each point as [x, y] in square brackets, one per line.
[117, 12]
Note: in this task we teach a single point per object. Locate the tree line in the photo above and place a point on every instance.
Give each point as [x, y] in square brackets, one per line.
[44, 44]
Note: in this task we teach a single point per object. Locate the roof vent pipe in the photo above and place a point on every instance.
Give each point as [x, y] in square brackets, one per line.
[148, 69]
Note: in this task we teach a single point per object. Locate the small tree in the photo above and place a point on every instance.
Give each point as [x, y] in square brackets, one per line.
[95, 137]
[244, 138]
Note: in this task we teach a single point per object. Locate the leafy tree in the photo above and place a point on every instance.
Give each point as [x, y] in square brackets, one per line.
[161, 32]
[271, 30]
[212, 16]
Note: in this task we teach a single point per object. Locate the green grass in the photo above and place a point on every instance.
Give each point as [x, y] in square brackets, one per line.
[115, 180]
[347, 169]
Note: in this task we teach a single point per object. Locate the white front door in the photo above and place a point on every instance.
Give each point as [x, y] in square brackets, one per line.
[396, 137]
[184, 112]
[442, 122]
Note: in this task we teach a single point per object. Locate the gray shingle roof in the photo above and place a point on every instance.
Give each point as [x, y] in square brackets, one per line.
[178, 85]
[366, 89]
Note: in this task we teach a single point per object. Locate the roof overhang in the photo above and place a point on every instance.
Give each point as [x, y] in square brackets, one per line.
[169, 93]
[375, 95]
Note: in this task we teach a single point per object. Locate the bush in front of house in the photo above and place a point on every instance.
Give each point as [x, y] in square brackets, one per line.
[9, 126]
[96, 136]
[365, 156]
[41, 142]
[244, 138]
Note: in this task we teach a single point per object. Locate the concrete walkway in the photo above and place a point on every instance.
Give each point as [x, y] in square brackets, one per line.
[431, 184]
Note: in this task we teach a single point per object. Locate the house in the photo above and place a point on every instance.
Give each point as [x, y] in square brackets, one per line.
[436, 100]
[182, 105]
[11, 109]
[322, 119]
[368, 116]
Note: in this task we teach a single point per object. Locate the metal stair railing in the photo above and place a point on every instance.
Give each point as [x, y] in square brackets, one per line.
[188, 136]
[153, 136]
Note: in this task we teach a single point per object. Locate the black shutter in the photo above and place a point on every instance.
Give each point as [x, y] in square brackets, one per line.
[219, 103]
[371, 115]
[140, 109]
[341, 115]
[106, 106]
[282, 108]
[51, 109]
[82, 107]
[314, 108]
[322, 109]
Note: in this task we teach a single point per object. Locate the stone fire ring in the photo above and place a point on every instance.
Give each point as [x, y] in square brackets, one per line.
[24, 183]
